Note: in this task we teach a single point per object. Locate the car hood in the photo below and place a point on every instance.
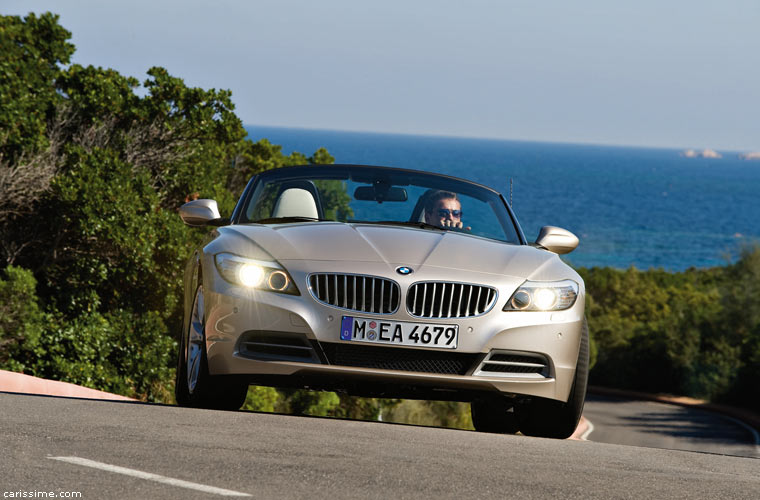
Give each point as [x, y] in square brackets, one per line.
[392, 245]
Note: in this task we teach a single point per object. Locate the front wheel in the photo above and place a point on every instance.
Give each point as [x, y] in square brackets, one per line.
[194, 386]
[555, 419]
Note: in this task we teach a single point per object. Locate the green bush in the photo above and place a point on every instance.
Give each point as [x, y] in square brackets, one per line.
[22, 322]
[438, 413]
[695, 333]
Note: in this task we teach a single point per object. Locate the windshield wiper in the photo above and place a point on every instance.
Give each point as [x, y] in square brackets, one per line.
[294, 218]
[408, 223]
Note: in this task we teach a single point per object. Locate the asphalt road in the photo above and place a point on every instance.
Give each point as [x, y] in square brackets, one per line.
[46, 440]
[657, 425]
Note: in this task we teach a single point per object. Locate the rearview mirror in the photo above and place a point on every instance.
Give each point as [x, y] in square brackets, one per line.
[200, 213]
[380, 193]
[557, 240]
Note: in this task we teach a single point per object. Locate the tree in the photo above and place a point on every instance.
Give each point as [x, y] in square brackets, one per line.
[91, 178]
[31, 50]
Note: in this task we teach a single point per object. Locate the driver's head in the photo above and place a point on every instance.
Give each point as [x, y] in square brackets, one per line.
[443, 208]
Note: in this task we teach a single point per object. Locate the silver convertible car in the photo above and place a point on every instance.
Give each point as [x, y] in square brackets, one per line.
[384, 282]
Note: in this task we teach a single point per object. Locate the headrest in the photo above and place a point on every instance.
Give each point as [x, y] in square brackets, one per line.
[295, 202]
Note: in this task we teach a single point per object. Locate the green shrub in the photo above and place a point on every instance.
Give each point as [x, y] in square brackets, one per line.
[22, 322]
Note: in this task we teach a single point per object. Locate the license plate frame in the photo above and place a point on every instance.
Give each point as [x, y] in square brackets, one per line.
[403, 333]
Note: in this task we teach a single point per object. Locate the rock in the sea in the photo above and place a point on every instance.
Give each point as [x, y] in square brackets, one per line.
[755, 155]
[705, 153]
[709, 153]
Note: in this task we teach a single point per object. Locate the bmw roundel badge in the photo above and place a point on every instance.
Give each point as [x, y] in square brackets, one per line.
[404, 270]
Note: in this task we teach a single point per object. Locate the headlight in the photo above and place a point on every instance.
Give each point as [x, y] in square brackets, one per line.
[252, 273]
[543, 296]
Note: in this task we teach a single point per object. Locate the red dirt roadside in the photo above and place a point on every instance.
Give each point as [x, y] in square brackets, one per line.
[18, 382]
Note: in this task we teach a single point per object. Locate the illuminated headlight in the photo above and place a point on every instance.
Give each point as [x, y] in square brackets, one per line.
[255, 273]
[543, 296]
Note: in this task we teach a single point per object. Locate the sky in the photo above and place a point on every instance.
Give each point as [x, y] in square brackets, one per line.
[659, 73]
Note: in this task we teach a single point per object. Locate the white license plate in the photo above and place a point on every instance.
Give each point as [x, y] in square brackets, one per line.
[398, 332]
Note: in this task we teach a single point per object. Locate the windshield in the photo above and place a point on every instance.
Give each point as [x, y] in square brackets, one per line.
[375, 195]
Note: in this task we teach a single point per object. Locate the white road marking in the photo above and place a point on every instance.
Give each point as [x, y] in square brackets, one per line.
[589, 430]
[150, 477]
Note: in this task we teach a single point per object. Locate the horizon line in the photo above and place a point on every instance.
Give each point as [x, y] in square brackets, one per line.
[503, 139]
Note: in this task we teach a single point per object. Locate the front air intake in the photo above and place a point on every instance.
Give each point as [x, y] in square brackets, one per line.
[276, 346]
[514, 364]
[401, 359]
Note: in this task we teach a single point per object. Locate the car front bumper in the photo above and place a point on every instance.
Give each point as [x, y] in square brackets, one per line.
[233, 312]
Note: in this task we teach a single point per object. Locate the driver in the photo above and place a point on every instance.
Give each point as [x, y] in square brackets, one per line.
[443, 208]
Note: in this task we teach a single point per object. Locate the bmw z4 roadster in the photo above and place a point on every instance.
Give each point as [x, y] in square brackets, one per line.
[384, 282]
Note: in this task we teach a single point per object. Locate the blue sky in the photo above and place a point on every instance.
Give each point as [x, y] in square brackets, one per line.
[652, 73]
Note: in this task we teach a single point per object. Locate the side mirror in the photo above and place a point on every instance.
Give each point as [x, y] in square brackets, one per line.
[557, 240]
[200, 212]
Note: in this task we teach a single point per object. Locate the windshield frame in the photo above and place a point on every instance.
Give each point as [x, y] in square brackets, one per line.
[356, 173]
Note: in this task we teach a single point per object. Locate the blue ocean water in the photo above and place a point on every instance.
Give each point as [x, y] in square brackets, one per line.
[648, 208]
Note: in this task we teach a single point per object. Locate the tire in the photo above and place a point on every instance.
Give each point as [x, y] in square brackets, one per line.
[555, 419]
[494, 415]
[194, 386]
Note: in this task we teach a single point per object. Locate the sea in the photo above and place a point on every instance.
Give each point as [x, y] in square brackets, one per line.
[629, 206]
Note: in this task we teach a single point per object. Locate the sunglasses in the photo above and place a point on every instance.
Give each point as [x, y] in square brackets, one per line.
[445, 212]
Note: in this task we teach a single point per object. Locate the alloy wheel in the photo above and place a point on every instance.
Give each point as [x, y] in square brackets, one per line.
[194, 344]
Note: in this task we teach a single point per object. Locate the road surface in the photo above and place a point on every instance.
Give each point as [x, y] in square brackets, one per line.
[658, 425]
[110, 449]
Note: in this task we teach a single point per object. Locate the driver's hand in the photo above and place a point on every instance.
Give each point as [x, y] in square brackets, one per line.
[451, 224]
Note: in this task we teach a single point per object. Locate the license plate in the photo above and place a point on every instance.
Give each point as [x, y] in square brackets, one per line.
[399, 332]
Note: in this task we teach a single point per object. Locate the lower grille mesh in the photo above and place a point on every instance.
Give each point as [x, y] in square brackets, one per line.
[394, 358]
